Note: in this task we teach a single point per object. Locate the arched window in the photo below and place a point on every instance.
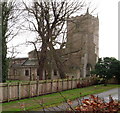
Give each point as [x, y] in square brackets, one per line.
[88, 69]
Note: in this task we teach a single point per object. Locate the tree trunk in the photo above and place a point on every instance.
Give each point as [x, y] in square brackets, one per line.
[4, 23]
[105, 83]
[43, 56]
[59, 64]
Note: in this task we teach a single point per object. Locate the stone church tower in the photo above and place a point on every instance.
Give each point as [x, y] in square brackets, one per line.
[83, 42]
[79, 56]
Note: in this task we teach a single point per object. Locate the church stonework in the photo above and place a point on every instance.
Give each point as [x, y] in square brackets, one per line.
[83, 42]
[81, 52]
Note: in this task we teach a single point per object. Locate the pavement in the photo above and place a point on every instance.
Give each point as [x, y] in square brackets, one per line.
[115, 93]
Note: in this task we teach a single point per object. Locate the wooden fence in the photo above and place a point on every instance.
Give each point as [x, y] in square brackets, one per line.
[19, 90]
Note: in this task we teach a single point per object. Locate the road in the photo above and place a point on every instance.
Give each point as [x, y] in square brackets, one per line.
[115, 93]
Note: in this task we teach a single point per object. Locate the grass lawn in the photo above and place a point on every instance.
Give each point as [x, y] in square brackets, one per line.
[33, 104]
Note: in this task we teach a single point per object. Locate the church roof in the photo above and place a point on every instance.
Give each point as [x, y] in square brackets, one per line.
[32, 62]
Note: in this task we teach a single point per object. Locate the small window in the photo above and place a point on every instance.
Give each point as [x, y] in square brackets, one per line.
[26, 72]
[55, 72]
[38, 72]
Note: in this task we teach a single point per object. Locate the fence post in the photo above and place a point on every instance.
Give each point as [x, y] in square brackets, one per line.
[37, 87]
[45, 91]
[75, 82]
[8, 92]
[67, 84]
[43, 87]
[29, 89]
[57, 85]
[19, 90]
[62, 84]
[71, 83]
[51, 85]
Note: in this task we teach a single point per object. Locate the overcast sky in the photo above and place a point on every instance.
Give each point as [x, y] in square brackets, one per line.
[108, 29]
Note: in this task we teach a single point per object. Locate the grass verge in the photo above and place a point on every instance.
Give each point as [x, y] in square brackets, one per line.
[33, 104]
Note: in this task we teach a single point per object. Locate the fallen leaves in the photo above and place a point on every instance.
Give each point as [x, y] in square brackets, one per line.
[96, 104]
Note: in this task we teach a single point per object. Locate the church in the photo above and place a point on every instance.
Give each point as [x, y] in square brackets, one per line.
[79, 55]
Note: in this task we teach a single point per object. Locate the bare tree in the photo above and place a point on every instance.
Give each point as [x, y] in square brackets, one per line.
[48, 19]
